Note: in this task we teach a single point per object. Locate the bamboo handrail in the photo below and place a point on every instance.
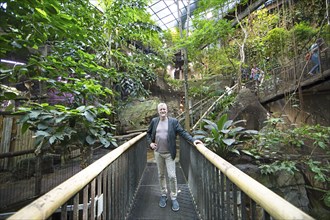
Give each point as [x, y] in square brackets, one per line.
[275, 205]
[44, 206]
[192, 107]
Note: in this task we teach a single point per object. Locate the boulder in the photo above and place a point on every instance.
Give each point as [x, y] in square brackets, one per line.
[247, 107]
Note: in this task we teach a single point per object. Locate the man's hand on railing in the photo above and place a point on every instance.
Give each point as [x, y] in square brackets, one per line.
[153, 146]
[197, 142]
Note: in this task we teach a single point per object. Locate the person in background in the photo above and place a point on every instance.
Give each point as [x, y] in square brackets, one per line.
[161, 137]
[261, 77]
[257, 74]
[254, 72]
[314, 56]
[245, 74]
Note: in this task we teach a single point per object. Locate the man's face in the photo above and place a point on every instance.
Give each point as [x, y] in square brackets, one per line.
[162, 111]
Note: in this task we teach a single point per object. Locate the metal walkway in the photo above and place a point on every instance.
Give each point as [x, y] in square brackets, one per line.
[146, 202]
[123, 185]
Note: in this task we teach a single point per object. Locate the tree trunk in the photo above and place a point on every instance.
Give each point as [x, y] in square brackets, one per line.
[86, 156]
[185, 67]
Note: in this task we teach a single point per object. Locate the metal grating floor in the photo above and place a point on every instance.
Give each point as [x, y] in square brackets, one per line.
[146, 203]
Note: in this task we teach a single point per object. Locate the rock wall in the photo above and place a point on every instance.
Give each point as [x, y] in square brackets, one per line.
[312, 108]
[290, 187]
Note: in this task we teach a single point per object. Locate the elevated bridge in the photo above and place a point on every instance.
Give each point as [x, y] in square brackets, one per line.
[123, 185]
[293, 78]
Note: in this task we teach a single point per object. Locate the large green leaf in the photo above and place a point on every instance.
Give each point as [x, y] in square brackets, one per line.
[89, 116]
[233, 150]
[42, 13]
[42, 126]
[25, 127]
[42, 133]
[210, 124]
[90, 140]
[237, 129]
[34, 114]
[60, 119]
[227, 124]
[211, 127]
[10, 95]
[221, 122]
[105, 142]
[52, 140]
[52, 9]
[229, 142]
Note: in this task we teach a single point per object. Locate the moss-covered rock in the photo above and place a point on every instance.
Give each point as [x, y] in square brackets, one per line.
[137, 115]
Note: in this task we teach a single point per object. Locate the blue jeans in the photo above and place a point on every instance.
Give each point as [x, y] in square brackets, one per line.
[315, 60]
[165, 161]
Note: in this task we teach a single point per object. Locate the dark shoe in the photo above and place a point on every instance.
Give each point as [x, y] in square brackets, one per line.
[175, 205]
[162, 201]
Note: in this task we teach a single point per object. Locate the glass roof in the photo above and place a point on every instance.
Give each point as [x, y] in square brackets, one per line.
[165, 12]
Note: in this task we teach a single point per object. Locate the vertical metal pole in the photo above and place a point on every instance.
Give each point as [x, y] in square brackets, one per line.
[37, 186]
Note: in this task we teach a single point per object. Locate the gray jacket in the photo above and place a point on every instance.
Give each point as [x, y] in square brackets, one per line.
[174, 128]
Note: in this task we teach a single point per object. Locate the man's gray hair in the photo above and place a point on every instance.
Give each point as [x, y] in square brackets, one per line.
[161, 104]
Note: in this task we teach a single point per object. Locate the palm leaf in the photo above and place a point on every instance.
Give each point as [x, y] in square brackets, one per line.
[228, 124]
[235, 151]
[222, 121]
[210, 123]
[238, 129]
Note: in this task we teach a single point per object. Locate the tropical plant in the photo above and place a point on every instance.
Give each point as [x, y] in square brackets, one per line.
[59, 125]
[303, 146]
[175, 84]
[75, 55]
[302, 149]
[223, 136]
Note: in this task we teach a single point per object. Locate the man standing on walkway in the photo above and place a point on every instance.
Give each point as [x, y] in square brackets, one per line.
[161, 137]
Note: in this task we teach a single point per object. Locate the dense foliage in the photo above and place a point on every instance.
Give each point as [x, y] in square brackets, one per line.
[81, 59]
[273, 35]
[304, 149]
